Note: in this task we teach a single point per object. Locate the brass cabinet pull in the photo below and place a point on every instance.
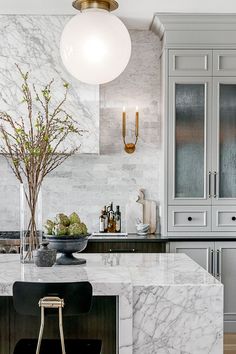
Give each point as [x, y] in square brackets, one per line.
[209, 184]
[215, 184]
[218, 263]
[212, 262]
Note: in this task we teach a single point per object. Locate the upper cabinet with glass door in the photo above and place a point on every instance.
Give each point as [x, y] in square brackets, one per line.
[224, 140]
[224, 127]
[199, 117]
[189, 140]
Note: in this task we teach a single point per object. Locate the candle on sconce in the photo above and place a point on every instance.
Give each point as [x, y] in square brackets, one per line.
[136, 122]
[124, 123]
[130, 147]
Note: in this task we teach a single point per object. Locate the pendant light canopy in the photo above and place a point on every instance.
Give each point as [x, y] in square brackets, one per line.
[95, 45]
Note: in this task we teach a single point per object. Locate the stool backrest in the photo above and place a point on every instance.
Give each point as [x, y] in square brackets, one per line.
[77, 296]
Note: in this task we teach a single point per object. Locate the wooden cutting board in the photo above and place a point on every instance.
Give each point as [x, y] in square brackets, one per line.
[149, 211]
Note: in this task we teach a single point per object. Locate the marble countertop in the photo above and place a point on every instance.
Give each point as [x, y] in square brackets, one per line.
[142, 268]
[166, 302]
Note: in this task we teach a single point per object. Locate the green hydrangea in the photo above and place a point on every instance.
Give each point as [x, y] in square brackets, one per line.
[74, 218]
[60, 230]
[84, 228]
[49, 227]
[62, 219]
[76, 229]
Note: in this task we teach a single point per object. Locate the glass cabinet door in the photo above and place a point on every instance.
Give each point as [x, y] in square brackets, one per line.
[224, 142]
[190, 139]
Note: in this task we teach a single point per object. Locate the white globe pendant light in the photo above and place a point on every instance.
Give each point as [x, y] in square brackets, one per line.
[95, 45]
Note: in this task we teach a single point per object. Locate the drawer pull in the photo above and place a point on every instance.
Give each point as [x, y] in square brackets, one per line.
[125, 250]
[190, 218]
[233, 218]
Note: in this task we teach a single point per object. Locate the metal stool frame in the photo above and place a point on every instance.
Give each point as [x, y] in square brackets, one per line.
[51, 302]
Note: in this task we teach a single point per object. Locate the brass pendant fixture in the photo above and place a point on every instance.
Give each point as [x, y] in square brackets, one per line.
[109, 5]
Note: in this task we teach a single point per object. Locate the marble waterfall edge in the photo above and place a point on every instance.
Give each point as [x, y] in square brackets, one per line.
[168, 304]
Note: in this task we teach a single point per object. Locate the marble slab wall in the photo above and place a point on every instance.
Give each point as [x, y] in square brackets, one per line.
[32, 42]
[87, 182]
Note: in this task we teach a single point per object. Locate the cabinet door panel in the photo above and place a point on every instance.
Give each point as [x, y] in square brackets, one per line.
[189, 141]
[227, 275]
[200, 252]
[190, 63]
[224, 218]
[224, 141]
[224, 62]
[191, 218]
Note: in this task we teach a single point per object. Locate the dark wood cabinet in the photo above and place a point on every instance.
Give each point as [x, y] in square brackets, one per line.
[125, 247]
[4, 325]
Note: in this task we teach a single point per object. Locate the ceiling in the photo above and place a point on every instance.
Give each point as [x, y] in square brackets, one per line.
[137, 14]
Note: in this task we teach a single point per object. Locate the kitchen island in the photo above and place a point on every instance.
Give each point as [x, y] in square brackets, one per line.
[166, 302]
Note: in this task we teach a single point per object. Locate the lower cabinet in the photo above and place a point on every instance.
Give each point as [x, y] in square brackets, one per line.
[219, 259]
[125, 247]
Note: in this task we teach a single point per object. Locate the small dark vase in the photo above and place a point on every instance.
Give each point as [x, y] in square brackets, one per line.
[45, 257]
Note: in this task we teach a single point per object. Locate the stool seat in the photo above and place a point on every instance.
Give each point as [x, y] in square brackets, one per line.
[40, 299]
[73, 346]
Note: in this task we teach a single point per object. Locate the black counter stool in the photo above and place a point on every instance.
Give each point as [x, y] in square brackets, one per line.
[72, 299]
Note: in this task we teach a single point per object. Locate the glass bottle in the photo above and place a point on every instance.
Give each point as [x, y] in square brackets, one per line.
[101, 222]
[105, 216]
[117, 219]
[111, 219]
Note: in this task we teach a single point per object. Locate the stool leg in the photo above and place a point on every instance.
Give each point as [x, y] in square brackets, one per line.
[40, 331]
[61, 331]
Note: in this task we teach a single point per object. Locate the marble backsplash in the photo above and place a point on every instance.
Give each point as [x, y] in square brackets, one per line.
[86, 182]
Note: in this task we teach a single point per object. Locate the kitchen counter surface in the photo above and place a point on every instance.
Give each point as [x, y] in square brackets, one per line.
[166, 301]
[15, 235]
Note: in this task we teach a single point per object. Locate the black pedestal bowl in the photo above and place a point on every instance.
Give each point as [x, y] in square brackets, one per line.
[67, 245]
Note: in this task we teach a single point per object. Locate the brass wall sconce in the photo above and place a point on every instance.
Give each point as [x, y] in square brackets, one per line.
[130, 147]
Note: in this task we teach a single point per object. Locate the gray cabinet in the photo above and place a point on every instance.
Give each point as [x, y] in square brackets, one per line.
[201, 154]
[199, 117]
[200, 252]
[226, 253]
[219, 259]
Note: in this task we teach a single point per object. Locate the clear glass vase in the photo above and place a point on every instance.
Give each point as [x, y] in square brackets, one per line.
[30, 222]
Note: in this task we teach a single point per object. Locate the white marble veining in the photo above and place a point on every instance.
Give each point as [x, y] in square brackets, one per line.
[168, 304]
[85, 183]
[33, 43]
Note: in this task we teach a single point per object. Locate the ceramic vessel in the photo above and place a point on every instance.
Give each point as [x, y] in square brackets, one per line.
[67, 245]
[45, 257]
